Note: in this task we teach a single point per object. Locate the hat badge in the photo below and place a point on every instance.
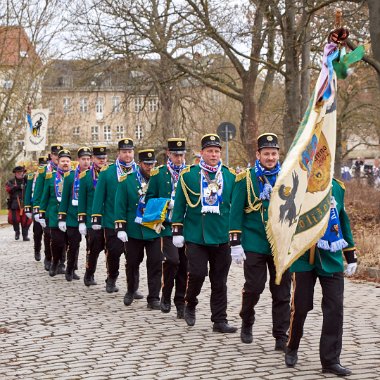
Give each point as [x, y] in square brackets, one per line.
[269, 138]
[101, 149]
[179, 143]
[212, 138]
[149, 154]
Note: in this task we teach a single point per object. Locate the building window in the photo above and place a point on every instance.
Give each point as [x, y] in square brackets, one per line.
[99, 106]
[139, 104]
[76, 132]
[66, 105]
[83, 105]
[153, 105]
[119, 132]
[95, 133]
[139, 133]
[65, 81]
[116, 104]
[107, 133]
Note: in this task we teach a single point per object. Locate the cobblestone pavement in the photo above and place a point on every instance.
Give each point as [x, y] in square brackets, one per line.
[60, 330]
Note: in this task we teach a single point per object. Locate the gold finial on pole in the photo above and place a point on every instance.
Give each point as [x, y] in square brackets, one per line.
[338, 18]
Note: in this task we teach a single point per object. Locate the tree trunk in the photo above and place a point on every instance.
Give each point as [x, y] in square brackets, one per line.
[374, 29]
[305, 59]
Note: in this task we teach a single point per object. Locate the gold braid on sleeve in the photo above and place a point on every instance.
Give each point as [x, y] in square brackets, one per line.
[256, 205]
[185, 189]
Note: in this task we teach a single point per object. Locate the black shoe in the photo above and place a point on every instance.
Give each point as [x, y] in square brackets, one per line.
[336, 369]
[75, 276]
[223, 327]
[37, 256]
[189, 315]
[111, 285]
[47, 264]
[128, 298]
[25, 238]
[154, 305]
[61, 269]
[53, 269]
[89, 280]
[69, 275]
[17, 235]
[180, 311]
[137, 295]
[280, 345]
[291, 357]
[165, 306]
[246, 333]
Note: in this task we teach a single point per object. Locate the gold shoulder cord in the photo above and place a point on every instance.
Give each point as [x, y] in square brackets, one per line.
[256, 205]
[185, 189]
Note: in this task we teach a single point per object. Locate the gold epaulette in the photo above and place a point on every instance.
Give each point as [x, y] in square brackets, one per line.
[104, 168]
[67, 174]
[232, 171]
[82, 174]
[155, 170]
[30, 176]
[340, 183]
[49, 175]
[187, 169]
[241, 176]
[41, 169]
[123, 177]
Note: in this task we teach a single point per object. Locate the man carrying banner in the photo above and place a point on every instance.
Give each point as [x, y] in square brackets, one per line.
[249, 241]
[163, 184]
[29, 194]
[15, 187]
[88, 181]
[325, 262]
[68, 211]
[200, 219]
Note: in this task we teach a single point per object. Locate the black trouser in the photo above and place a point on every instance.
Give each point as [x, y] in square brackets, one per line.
[174, 270]
[58, 245]
[47, 242]
[198, 257]
[38, 231]
[73, 241]
[330, 344]
[135, 255]
[114, 249]
[255, 273]
[95, 245]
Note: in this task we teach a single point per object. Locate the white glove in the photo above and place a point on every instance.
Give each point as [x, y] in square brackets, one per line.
[29, 215]
[37, 217]
[178, 241]
[171, 204]
[42, 222]
[82, 228]
[96, 227]
[122, 235]
[351, 269]
[237, 254]
[62, 226]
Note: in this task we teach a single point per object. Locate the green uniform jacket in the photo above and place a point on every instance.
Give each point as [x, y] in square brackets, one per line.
[160, 186]
[39, 186]
[126, 202]
[86, 197]
[249, 214]
[49, 203]
[66, 209]
[28, 200]
[198, 228]
[326, 262]
[104, 198]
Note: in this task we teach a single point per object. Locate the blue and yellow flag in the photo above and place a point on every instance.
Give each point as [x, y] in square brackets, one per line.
[300, 202]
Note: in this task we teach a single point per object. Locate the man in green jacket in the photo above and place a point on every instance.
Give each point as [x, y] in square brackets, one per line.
[28, 201]
[88, 181]
[201, 219]
[325, 262]
[129, 209]
[163, 184]
[68, 211]
[249, 242]
[103, 212]
[37, 194]
[49, 206]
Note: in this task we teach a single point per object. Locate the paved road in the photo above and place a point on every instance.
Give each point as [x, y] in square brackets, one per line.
[61, 330]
